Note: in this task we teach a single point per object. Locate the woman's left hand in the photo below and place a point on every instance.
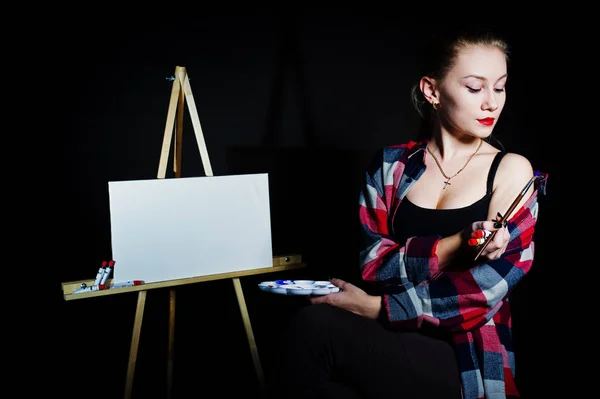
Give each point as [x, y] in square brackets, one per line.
[351, 298]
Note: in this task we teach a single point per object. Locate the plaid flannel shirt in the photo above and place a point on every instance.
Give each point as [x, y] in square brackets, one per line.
[470, 305]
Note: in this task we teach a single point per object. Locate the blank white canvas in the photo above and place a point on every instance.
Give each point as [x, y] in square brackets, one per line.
[166, 229]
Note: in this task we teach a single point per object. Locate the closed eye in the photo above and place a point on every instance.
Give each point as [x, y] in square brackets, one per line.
[473, 90]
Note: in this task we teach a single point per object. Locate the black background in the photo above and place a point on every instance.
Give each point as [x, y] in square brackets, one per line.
[306, 96]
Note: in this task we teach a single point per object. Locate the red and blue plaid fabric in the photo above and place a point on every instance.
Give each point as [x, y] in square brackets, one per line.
[471, 305]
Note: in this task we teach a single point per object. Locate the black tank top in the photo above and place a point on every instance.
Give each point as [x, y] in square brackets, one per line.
[411, 220]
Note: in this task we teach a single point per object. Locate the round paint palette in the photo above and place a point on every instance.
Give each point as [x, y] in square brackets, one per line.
[298, 287]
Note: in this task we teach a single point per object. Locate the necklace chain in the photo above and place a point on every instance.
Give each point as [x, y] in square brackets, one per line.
[447, 182]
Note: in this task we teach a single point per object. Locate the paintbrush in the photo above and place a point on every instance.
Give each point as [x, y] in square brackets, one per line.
[504, 218]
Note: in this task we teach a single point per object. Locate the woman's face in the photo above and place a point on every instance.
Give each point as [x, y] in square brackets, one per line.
[472, 95]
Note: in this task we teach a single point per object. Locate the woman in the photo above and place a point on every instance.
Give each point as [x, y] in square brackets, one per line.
[434, 318]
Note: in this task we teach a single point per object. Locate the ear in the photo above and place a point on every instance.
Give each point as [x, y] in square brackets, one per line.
[428, 87]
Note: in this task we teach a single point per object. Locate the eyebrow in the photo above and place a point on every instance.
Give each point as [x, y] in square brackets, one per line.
[483, 78]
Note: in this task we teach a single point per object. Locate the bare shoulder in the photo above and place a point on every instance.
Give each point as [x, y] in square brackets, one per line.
[514, 169]
[514, 172]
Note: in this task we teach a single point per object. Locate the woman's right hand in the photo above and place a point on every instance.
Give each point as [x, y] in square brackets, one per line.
[484, 229]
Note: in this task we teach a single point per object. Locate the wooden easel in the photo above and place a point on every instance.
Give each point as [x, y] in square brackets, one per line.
[180, 93]
[280, 263]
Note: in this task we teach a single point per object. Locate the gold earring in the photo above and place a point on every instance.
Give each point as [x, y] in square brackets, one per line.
[435, 105]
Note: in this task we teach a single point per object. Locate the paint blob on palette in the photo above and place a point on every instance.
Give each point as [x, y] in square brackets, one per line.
[298, 287]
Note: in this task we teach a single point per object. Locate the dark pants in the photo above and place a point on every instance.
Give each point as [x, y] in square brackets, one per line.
[332, 353]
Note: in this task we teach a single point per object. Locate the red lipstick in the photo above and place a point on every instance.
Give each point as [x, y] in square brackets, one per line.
[486, 121]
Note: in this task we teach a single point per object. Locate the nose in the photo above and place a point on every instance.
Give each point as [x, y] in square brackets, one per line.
[490, 103]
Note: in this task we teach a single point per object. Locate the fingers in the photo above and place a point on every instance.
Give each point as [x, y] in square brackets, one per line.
[488, 237]
[487, 231]
[497, 221]
[338, 282]
[318, 299]
[479, 226]
[331, 298]
[505, 236]
[478, 237]
[490, 225]
[499, 243]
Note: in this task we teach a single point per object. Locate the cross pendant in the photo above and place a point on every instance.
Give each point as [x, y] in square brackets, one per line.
[446, 184]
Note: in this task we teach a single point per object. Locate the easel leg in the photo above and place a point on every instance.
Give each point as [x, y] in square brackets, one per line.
[135, 341]
[246, 318]
[171, 343]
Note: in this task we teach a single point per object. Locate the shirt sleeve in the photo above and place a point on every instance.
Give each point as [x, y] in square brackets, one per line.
[466, 300]
[453, 300]
[381, 257]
